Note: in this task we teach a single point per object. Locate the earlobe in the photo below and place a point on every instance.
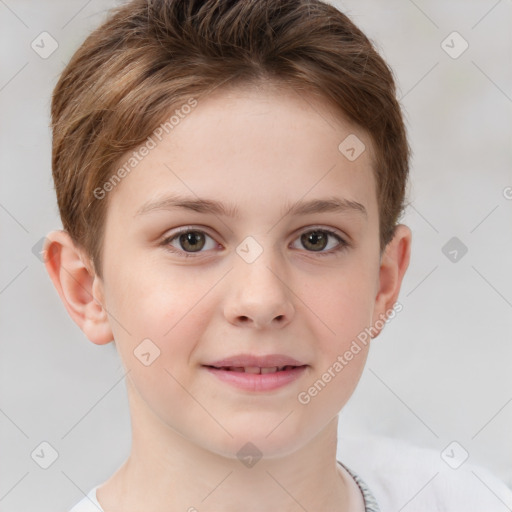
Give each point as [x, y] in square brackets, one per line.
[78, 287]
[393, 266]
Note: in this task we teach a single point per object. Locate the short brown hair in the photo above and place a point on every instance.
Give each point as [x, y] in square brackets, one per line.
[151, 55]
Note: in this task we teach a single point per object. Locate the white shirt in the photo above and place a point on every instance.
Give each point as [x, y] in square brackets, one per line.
[359, 495]
[393, 476]
[407, 478]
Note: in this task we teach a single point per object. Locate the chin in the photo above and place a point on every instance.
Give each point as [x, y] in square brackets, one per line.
[257, 440]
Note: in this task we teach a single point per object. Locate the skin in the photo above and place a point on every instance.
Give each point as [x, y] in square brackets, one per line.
[260, 150]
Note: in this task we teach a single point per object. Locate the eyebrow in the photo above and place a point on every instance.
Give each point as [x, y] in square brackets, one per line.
[330, 204]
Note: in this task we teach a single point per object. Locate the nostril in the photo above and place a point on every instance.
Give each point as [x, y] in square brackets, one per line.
[279, 317]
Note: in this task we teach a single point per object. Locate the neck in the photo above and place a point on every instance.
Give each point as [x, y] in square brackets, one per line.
[166, 471]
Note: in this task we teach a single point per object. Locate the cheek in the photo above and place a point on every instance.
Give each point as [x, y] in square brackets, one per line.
[148, 316]
[331, 386]
[342, 312]
[342, 302]
[162, 319]
[160, 305]
[342, 305]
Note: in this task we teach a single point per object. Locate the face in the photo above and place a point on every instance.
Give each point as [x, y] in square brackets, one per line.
[244, 233]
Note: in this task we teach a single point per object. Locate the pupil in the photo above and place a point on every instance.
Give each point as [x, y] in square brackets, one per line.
[313, 238]
[192, 241]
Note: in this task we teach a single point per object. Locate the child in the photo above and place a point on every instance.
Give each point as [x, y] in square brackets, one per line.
[230, 176]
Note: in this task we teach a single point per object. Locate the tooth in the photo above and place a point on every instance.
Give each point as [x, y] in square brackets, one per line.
[269, 370]
[252, 369]
[236, 368]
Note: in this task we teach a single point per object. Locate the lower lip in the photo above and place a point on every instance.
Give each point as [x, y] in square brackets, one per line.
[258, 381]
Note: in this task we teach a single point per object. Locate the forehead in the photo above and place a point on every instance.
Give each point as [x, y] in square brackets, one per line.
[267, 119]
[252, 147]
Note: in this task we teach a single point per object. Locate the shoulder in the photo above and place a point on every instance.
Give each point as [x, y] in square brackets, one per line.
[402, 476]
[88, 503]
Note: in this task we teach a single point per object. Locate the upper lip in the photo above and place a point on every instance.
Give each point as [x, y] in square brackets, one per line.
[265, 361]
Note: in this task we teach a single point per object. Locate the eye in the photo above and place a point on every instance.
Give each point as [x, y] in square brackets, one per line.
[189, 241]
[322, 241]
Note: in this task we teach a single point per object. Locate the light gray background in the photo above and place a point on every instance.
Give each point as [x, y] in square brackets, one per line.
[440, 372]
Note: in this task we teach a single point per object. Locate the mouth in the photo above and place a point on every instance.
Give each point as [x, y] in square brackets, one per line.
[252, 373]
[241, 362]
[255, 369]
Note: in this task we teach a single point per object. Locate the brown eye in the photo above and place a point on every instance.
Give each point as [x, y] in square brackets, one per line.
[315, 240]
[324, 242]
[192, 241]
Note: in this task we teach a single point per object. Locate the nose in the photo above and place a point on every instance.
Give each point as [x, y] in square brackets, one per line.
[258, 296]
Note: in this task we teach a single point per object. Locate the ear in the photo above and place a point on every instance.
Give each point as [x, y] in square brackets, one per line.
[394, 263]
[79, 288]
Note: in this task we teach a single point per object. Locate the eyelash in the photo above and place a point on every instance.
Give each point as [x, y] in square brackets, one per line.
[342, 244]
